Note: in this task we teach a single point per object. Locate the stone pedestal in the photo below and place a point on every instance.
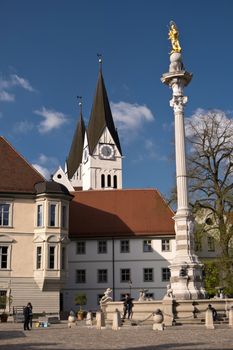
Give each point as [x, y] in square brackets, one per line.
[168, 311]
[209, 322]
[72, 321]
[100, 320]
[89, 319]
[116, 321]
[158, 320]
[231, 317]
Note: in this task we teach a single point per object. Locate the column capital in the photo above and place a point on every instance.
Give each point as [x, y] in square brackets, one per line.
[178, 103]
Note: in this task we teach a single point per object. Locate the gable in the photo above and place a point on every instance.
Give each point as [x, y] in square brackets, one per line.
[16, 174]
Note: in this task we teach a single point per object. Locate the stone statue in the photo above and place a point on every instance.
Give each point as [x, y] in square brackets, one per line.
[142, 294]
[106, 297]
[173, 35]
[169, 291]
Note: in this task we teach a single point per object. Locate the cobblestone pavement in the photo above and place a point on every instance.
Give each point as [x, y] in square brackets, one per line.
[59, 337]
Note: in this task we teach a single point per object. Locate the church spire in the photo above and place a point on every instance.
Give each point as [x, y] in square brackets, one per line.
[75, 156]
[101, 115]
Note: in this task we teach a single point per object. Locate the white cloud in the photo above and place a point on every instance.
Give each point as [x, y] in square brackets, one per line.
[23, 127]
[129, 118]
[6, 96]
[52, 120]
[15, 80]
[46, 165]
[42, 170]
[21, 82]
[213, 126]
[202, 119]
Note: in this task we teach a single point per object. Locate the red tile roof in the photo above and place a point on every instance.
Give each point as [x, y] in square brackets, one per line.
[16, 174]
[110, 213]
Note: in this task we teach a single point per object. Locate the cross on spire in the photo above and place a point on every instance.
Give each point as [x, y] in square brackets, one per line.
[80, 103]
[100, 59]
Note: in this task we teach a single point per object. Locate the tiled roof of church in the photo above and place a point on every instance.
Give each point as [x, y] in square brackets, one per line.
[101, 116]
[75, 156]
[119, 213]
[16, 174]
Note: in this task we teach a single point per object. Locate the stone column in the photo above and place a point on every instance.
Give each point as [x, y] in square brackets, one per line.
[186, 271]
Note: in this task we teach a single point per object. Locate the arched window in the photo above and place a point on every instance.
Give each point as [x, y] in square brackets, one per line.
[109, 180]
[114, 181]
[102, 181]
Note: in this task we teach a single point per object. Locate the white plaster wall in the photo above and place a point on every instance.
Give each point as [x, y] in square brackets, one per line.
[135, 260]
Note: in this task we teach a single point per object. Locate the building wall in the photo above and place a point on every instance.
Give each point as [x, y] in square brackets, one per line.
[136, 260]
[20, 278]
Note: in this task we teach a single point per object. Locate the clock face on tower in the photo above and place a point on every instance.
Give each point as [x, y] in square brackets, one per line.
[106, 151]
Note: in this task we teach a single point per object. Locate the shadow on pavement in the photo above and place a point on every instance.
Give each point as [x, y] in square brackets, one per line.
[55, 346]
[11, 334]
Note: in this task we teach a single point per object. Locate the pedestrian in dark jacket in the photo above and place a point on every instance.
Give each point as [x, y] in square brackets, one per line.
[128, 305]
[26, 313]
[30, 314]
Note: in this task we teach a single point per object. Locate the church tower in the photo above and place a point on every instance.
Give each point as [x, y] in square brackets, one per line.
[102, 155]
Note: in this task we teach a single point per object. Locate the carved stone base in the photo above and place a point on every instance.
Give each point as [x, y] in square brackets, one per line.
[186, 281]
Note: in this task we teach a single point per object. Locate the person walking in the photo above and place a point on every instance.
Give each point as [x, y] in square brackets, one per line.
[26, 313]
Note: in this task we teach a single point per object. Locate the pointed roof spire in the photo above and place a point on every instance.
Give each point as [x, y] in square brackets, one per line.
[101, 115]
[76, 150]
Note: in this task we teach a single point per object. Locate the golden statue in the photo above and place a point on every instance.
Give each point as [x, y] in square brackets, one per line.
[173, 35]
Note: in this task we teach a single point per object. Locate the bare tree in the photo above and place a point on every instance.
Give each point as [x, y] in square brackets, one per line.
[210, 166]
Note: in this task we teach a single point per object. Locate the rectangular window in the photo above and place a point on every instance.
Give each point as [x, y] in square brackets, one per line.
[3, 299]
[39, 215]
[80, 276]
[210, 244]
[124, 248]
[63, 258]
[166, 274]
[38, 257]
[148, 275]
[125, 275]
[52, 215]
[64, 216]
[3, 257]
[51, 257]
[102, 247]
[166, 245]
[4, 214]
[81, 247]
[103, 276]
[197, 244]
[147, 247]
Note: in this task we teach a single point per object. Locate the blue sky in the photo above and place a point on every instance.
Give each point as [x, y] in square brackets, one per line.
[48, 57]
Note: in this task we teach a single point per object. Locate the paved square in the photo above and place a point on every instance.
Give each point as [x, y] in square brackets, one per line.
[59, 336]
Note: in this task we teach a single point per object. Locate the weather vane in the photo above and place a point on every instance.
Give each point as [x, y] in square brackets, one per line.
[100, 58]
[173, 36]
[80, 102]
